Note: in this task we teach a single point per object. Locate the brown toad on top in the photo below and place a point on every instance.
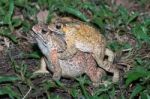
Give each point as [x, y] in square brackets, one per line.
[80, 63]
[80, 36]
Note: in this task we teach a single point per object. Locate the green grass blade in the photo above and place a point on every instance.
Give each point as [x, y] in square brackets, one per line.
[136, 74]
[136, 91]
[8, 90]
[7, 33]
[10, 12]
[8, 78]
[75, 12]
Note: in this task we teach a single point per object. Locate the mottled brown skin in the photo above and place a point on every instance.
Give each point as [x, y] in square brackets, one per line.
[79, 64]
[48, 43]
[80, 36]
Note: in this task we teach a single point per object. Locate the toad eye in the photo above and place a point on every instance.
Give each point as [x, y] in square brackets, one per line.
[58, 26]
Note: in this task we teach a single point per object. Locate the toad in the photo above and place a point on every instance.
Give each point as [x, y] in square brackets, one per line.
[50, 44]
[83, 37]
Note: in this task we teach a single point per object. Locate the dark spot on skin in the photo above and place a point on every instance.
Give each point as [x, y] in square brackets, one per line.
[58, 26]
[44, 31]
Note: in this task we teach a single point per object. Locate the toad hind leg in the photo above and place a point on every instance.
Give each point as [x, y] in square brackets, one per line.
[43, 68]
[110, 55]
[107, 65]
[95, 73]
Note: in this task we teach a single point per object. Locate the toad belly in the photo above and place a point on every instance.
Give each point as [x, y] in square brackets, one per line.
[73, 67]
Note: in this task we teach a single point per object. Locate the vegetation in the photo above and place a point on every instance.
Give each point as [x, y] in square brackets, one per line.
[127, 30]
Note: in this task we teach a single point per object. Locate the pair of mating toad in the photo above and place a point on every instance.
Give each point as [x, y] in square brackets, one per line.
[71, 48]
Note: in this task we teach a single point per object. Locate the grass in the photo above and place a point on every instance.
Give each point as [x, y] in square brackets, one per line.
[114, 23]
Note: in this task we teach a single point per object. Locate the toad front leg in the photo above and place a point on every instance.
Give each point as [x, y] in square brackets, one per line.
[57, 71]
[68, 53]
[54, 66]
[43, 68]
